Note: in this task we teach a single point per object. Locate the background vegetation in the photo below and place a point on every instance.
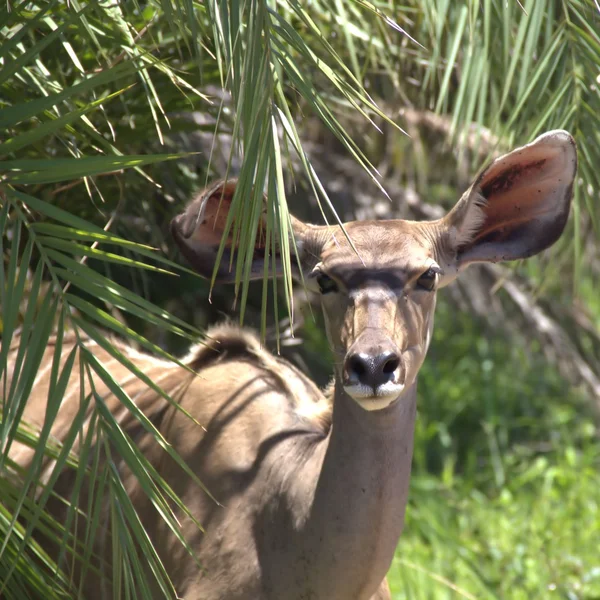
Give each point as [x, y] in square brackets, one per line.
[99, 99]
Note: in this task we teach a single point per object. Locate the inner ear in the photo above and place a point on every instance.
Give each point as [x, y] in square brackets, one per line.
[519, 205]
[205, 218]
[199, 229]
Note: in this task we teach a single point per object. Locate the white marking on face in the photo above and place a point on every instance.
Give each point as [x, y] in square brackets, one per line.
[384, 395]
[429, 333]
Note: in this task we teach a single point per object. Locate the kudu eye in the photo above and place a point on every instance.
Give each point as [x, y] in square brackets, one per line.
[326, 284]
[428, 279]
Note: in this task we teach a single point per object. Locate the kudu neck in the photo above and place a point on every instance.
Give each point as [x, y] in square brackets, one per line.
[357, 511]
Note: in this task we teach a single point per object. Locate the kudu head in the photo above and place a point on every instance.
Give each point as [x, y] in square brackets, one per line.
[378, 293]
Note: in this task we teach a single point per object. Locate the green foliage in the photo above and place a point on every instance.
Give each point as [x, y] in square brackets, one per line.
[92, 101]
[498, 390]
[535, 538]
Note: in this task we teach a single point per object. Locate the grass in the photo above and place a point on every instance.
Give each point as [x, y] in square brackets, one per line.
[537, 537]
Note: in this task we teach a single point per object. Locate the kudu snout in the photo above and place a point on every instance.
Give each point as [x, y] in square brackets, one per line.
[373, 369]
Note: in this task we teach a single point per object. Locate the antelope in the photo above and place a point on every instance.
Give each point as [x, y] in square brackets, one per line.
[312, 486]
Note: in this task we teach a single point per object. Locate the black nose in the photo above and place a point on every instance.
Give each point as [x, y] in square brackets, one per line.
[372, 369]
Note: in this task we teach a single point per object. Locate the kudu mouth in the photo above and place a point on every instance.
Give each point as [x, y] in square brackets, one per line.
[374, 376]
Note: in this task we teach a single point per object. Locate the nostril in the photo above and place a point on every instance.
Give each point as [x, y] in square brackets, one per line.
[391, 364]
[357, 366]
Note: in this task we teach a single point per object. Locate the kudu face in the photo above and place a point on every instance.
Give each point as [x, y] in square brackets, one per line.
[378, 300]
[378, 292]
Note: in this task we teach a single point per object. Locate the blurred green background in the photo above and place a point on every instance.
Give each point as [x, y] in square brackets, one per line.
[505, 492]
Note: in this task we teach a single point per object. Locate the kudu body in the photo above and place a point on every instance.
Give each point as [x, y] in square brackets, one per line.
[314, 486]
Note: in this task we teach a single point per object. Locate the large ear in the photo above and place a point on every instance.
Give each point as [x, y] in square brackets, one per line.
[199, 229]
[518, 206]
